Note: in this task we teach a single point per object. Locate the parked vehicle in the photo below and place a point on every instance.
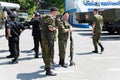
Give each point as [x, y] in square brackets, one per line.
[22, 17]
[111, 19]
[3, 12]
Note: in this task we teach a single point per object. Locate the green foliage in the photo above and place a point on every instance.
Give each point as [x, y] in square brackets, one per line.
[30, 6]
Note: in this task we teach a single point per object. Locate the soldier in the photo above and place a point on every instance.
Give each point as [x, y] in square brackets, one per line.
[6, 25]
[48, 35]
[63, 32]
[97, 25]
[13, 32]
[36, 32]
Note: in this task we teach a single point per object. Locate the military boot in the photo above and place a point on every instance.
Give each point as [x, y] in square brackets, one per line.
[36, 55]
[60, 61]
[102, 48]
[14, 61]
[63, 63]
[49, 72]
[96, 50]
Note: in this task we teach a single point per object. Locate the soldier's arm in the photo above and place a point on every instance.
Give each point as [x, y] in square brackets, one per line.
[9, 31]
[51, 26]
[22, 28]
[71, 28]
[93, 25]
[64, 30]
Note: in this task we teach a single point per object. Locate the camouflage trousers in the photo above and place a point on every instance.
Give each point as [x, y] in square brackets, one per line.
[96, 38]
[47, 52]
[62, 48]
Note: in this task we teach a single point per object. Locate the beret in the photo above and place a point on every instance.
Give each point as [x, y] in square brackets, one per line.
[54, 9]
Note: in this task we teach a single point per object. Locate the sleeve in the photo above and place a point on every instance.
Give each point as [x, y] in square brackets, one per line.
[21, 26]
[61, 26]
[93, 20]
[31, 21]
[9, 25]
[51, 22]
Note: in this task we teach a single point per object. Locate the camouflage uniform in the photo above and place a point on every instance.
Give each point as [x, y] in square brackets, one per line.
[98, 21]
[48, 38]
[62, 40]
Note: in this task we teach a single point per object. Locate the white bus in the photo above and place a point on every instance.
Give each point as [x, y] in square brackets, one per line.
[3, 14]
[75, 6]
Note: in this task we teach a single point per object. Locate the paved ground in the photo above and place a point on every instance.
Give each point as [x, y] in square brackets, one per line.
[89, 66]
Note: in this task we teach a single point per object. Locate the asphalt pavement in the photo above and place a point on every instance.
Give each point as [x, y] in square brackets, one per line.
[88, 66]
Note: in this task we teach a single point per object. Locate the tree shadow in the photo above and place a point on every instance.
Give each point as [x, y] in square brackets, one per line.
[111, 38]
[2, 57]
[85, 53]
[2, 36]
[83, 30]
[85, 34]
[3, 51]
[26, 51]
[5, 63]
[31, 76]
[26, 58]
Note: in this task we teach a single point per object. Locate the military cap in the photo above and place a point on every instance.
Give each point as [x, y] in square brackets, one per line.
[54, 9]
[12, 16]
[37, 14]
[95, 9]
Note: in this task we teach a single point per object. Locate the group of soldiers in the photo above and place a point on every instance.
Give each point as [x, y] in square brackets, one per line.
[44, 29]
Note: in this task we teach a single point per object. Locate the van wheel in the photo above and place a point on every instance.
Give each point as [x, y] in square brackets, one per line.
[118, 30]
[111, 30]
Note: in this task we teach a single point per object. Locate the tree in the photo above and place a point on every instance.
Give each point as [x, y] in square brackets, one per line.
[57, 3]
[30, 6]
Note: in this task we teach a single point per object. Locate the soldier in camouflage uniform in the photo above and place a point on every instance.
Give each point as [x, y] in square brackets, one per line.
[63, 32]
[48, 36]
[97, 25]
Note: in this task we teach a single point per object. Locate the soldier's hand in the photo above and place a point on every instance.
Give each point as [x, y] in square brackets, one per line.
[66, 30]
[8, 37]
[71, 30]
[92, 33]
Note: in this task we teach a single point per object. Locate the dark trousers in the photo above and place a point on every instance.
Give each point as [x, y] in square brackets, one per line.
[37, 40]
[14, 46]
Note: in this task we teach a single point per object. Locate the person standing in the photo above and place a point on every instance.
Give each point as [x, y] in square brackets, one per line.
[63, 33]
[6, 25]
[48, 35]
[36, 32]
[97, 25]
[13, 32]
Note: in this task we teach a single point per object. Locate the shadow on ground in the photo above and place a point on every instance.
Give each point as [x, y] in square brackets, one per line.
[86, 53]
[3, 51]
[2, 36]
[31, 76]
[26, 51]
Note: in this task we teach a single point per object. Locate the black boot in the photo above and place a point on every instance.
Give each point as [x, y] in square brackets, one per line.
[96, 50]
[14, 61]
[63, 63]
[10, 56]
[60, 61]
[102, 48]
[32, 49]
[49, 72]
[36, 55]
